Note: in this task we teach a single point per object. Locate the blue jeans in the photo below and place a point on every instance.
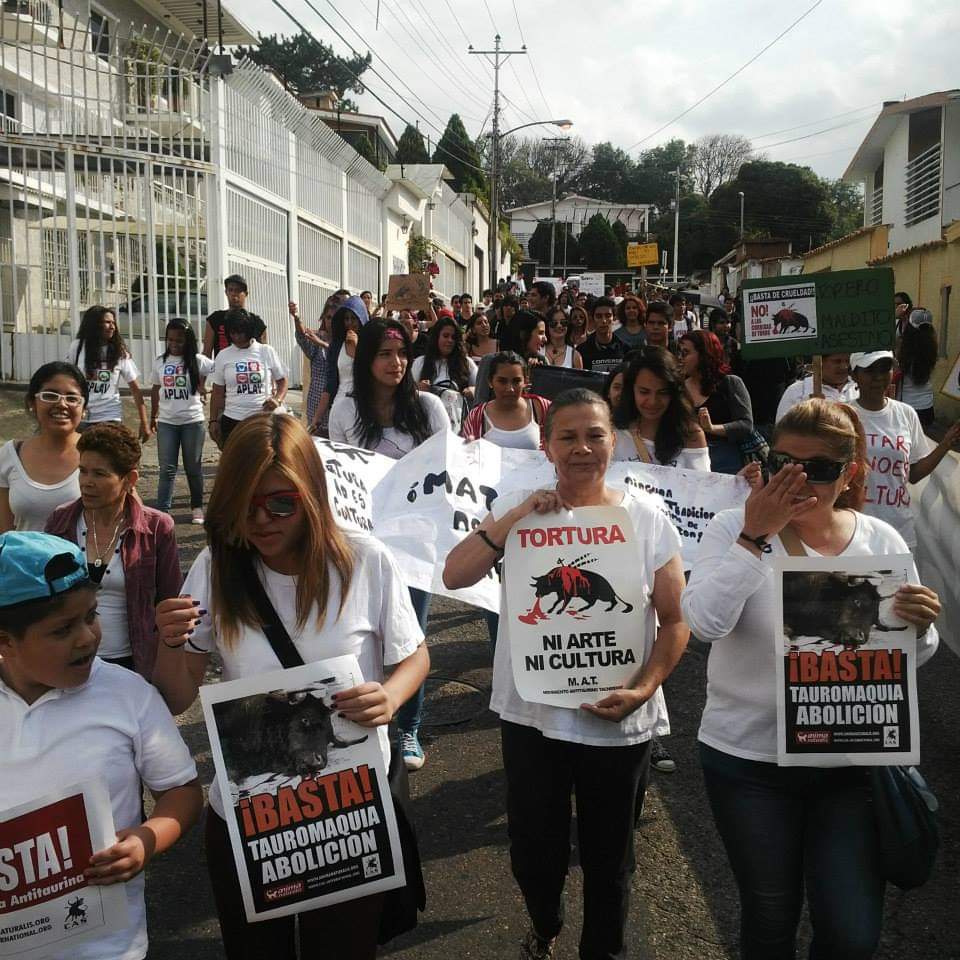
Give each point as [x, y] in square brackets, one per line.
[172, 438]
[784, 827]
[410, 714]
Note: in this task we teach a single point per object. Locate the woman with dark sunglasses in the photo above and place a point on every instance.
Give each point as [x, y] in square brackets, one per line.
[559, 352]
[335, 593]
[786, 828]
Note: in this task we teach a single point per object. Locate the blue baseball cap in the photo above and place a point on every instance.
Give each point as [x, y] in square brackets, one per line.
[35, 566]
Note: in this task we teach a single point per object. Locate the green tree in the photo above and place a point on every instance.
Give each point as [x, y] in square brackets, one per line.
[654, 180]
[539, 244]
[846, 204]
[458, 153]
[411, 148]
[599, 246]
[364, 147]
[305, 64]
[527, 165]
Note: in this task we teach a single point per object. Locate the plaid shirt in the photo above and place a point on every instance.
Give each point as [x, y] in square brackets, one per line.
[317, 356]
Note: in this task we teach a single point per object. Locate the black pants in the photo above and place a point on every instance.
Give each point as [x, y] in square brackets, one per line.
[540, 775]
[227, 426]
[345, 931]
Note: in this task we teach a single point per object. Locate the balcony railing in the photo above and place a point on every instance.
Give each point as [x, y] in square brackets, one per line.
[923, 186]
[28, 22]
[876, 207]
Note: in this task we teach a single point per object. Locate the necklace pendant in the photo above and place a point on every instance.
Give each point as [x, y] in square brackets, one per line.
[98, 562]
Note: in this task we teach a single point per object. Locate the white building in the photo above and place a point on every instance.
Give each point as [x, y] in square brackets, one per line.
[909, 165]
[576, 210]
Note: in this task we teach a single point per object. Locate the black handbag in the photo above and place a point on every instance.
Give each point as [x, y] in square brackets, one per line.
[905, 809]
[402, 904]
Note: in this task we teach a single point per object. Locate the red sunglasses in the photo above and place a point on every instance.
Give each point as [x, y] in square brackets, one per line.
[279, 505]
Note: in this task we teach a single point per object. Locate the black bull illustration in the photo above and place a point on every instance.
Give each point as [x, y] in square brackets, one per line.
[283, 732]
[839, 608]
[571, 582]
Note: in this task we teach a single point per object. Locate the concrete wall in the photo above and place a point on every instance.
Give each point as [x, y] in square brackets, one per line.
[851, 253]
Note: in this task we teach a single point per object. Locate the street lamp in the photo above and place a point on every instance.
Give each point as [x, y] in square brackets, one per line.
[740, 195]
[494, 232]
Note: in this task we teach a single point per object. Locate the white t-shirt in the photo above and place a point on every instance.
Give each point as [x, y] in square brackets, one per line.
[177, 404]
[345, 370]
[689, 458]
[526, 437]
[113, 728]
[729, 602]
[895, 439]
[104, 401]
[394, 443]
[917, 395]
[442, 371]
[31, 503]
[801, 390]
[377, 624]
[658, 542]
[111, 600]
[247, 377]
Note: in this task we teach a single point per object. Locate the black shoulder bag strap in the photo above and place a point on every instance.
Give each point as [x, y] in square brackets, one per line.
[273, 628]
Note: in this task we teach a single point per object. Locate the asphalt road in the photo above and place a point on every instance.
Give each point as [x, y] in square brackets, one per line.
[684, 904]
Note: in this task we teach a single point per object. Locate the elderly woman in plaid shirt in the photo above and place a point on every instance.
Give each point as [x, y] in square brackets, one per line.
[314, 348]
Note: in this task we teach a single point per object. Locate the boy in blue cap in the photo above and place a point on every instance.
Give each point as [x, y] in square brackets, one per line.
[66, 716]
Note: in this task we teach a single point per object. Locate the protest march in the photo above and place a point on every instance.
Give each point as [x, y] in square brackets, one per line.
[298, 412]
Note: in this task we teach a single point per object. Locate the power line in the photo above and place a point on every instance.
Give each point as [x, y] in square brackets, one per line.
[811, 123]
[533, 69]
[724, 82]
[816, 133]
[493, 23]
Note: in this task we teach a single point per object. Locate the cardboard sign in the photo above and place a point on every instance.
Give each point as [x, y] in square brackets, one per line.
[576, 605]
[843, 312]
[642, 255]
[46, 903]
[951, 386]
[846, 665]
[308, 805]
[408, 291]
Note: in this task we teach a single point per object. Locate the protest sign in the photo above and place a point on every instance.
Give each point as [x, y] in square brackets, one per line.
[951, 386]
[837, 312]
[352, 474]
[846, 665]
[46, 903]
[555, 282]
[306, 797]
[592, 284]
[549, 382]
[576, 600]
[642, 255]
[408, 291]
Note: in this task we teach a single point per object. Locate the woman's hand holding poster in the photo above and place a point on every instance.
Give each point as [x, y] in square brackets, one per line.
[575, 602]
[309, 810]
[846, 665]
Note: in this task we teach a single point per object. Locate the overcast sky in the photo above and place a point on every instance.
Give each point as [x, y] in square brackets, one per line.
[620, 69]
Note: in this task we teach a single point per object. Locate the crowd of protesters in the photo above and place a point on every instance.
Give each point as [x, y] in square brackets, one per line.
[93, 601]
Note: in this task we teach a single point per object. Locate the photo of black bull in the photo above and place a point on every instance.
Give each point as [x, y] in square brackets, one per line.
[839, 608]
[571, 581]
[789, 318]
[284, 732]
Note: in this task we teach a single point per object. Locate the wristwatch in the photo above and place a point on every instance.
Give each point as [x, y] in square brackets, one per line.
[760, 542]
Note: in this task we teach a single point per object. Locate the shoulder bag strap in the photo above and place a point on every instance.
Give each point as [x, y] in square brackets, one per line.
[642, 450]
[273, 628]
[791, 543]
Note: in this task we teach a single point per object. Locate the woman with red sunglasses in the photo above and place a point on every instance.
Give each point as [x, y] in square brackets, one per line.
[335, 593]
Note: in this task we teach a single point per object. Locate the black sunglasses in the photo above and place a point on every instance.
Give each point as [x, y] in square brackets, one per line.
[559, 323]
[818, 470]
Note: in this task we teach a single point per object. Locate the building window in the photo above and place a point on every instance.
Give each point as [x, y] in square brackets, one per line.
[8, 112]
[100, 27]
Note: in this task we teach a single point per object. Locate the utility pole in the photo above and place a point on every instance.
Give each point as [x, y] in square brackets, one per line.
[676, 225]
[553, 204]
[740, 194]
[499, 57]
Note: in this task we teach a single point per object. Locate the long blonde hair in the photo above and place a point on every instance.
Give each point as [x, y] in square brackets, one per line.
[261, 443]
[839, 427]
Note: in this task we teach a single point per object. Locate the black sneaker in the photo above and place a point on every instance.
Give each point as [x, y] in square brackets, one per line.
[660, 759]
[533, 948]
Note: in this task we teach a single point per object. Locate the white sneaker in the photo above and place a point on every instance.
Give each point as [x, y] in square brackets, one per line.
[196, 516]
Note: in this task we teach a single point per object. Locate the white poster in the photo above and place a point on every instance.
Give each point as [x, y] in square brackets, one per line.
[46, 903]
[352, 474]
[312, 820]
[846, 665]
[592, 284]
[787, 312]
[576, 600]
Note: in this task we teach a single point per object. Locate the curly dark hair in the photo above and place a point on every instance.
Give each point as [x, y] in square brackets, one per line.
[712, 365]
[90, 340]
[115, 443]
[409, 415]
[457, 365]
[678, 421]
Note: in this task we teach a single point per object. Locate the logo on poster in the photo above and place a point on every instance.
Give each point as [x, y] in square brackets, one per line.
[371, 866]
[813, 736]
[569, 581]
[891, 736]
[76, 913]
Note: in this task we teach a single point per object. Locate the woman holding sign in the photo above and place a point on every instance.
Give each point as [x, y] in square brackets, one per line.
[597, 746]
[787, 827]
[333, 593]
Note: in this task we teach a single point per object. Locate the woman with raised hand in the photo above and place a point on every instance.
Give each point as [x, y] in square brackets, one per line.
[40, 473]
[131, 549]
[791, 829]
[335, 593]
[99, 351]
[719, 398]
[654, 419]
[176, 414]
[558, 350]
[600, 750]
[345, 326]
[388, 414]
